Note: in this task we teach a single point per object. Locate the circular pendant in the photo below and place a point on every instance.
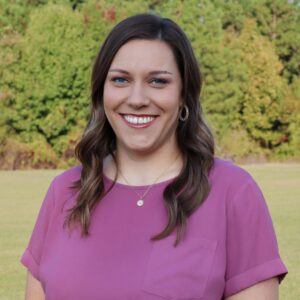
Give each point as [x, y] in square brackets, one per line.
[140, 202]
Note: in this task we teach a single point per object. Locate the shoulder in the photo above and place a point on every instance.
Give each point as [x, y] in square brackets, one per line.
[237, 185]
[63, 182]
[68, 175]
[227, 172]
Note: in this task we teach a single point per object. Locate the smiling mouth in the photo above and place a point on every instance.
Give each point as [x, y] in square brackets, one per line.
[139, 119]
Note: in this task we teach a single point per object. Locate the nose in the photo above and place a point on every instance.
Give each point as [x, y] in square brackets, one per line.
[137, 96]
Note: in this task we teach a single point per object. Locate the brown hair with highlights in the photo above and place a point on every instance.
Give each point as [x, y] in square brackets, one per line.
[191, 187]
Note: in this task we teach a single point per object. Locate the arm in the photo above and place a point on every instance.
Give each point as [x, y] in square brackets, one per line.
[34, 290]
[31, 258]
[264, 290]
[252, 250]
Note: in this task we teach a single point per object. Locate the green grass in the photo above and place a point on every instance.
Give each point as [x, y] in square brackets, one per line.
[281, 186]
[21, 193]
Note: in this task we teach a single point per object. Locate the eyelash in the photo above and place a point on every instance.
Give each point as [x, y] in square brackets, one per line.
[159, 81]
[116, 79]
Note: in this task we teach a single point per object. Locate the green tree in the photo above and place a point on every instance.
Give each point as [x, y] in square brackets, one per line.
[280, 21]
[248, 52]
[264, 110]
[49, 85]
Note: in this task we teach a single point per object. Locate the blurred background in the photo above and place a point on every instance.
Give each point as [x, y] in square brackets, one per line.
[249, 56]
[248, 52]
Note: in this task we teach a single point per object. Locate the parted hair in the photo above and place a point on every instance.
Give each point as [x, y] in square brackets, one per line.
[185, 193]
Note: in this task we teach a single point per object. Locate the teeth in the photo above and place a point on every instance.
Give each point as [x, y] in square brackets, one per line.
[138, 120]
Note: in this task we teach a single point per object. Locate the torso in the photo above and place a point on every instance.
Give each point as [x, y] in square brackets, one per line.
[118, 260]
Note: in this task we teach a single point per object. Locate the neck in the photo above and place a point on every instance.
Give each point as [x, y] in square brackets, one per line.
[144, 169]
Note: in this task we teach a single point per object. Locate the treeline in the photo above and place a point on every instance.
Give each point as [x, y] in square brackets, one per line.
[248, 52]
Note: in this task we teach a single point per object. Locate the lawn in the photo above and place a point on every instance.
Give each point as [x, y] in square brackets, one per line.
[21, 193]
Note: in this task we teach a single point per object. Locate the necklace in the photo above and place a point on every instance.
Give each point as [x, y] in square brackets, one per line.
[140, 202]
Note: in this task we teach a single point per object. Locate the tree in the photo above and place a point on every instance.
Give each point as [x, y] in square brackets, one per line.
[264, 110]
[49, 84]
[280, 21]
[248, 52]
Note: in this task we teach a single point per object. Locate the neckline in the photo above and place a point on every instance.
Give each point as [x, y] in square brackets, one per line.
[160, 183]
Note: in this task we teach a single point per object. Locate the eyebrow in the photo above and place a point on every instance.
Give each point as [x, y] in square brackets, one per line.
[155, 72]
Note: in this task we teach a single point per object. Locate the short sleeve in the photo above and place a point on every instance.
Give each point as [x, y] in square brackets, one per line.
[33, 253]
[252, 250]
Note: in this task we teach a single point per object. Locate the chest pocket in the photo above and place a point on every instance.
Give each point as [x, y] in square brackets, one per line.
[179, 272]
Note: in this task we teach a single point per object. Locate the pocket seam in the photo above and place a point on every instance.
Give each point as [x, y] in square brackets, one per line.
[209, 246]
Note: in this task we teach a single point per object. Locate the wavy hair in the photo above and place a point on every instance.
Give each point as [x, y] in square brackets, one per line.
[191, 187]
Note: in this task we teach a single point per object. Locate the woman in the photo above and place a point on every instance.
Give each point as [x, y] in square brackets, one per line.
[150, 213]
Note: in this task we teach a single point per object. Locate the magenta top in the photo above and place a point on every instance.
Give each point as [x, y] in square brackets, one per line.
[230, 243]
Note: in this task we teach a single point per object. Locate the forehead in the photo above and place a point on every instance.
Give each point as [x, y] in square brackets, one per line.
[145, 55]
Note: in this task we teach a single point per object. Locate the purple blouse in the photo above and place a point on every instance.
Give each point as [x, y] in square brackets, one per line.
[230, 243]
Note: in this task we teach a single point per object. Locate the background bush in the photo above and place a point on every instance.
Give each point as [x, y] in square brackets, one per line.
[248, 52]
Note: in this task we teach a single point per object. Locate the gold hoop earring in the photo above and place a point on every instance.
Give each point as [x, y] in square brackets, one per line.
[186, 114]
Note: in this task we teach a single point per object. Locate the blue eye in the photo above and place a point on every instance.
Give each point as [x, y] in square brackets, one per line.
[119, 80]
[159, 81]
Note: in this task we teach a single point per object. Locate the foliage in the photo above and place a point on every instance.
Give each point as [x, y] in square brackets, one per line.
[262, 110]
[248, 52]
[279, 21]
[49, 84]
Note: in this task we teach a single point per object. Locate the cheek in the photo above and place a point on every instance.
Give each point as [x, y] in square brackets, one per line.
[171, 103]
[110, 96]
[167, 100]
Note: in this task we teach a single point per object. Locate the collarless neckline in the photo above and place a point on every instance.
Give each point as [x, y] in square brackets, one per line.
[160, 183]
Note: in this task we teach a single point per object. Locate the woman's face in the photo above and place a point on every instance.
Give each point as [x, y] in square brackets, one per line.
[142, 96]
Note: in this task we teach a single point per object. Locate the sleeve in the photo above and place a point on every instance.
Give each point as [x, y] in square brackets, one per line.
[252, 250]
[33, 253]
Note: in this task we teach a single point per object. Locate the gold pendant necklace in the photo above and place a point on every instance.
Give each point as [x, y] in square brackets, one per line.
[140, 202]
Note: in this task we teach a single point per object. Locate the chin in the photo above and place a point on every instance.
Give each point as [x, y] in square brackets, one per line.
[140, 148]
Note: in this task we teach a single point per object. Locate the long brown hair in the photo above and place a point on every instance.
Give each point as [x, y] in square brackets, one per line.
[191, 187]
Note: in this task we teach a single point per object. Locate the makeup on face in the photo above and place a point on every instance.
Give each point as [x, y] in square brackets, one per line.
[142, 95]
